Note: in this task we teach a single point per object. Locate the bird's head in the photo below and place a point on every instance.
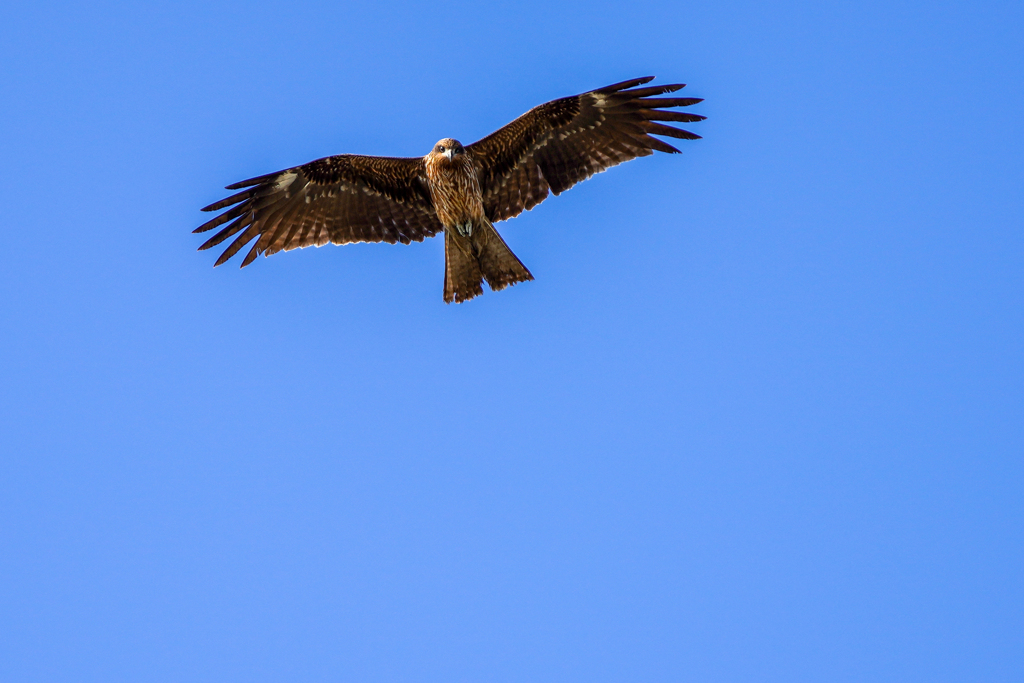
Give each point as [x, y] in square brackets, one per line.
[447, 148]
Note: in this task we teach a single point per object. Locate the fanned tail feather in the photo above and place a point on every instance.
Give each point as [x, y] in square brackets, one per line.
[483, 255]
[462, 277]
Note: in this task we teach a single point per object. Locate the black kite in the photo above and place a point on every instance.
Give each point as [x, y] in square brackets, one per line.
[460, 190]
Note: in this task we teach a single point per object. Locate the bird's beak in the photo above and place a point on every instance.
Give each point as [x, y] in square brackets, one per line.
[448, 153]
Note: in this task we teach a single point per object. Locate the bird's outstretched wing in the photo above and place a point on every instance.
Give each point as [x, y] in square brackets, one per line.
[558, 144]
[339, 199]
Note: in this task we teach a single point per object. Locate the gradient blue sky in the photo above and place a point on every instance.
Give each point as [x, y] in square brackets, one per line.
[759, 418]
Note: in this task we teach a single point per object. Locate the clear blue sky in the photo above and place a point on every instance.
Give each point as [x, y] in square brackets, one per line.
[759, 418]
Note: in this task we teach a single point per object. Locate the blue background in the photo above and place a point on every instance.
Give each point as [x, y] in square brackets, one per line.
[759, 417]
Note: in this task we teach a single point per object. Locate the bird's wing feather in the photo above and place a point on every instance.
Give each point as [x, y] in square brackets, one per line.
[339, 199]
[558, 144]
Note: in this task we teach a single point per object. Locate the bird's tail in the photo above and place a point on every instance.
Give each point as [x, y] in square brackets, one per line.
[483, 255]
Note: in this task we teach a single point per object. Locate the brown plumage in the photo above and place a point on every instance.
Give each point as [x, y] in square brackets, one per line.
[460, 190]
[473, 249]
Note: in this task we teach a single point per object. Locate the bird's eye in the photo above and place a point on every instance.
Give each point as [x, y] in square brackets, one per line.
[440, 148]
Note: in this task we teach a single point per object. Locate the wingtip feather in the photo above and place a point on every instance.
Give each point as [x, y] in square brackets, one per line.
[659, 145]
[662, 102]
[251, 256]
[252, 181]
[637, 93]
[654, 128]
[228, 201]
[664, 115]
[622, 85]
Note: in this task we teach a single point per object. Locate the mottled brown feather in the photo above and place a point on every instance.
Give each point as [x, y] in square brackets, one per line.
[340, 199]
[570, 139]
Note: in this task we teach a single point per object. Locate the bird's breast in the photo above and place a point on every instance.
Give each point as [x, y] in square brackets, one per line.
[455, 190]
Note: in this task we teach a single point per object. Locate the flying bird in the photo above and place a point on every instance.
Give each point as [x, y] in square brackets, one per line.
[459, 190]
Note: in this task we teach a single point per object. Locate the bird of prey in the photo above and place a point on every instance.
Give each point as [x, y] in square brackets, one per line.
[460, 190]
